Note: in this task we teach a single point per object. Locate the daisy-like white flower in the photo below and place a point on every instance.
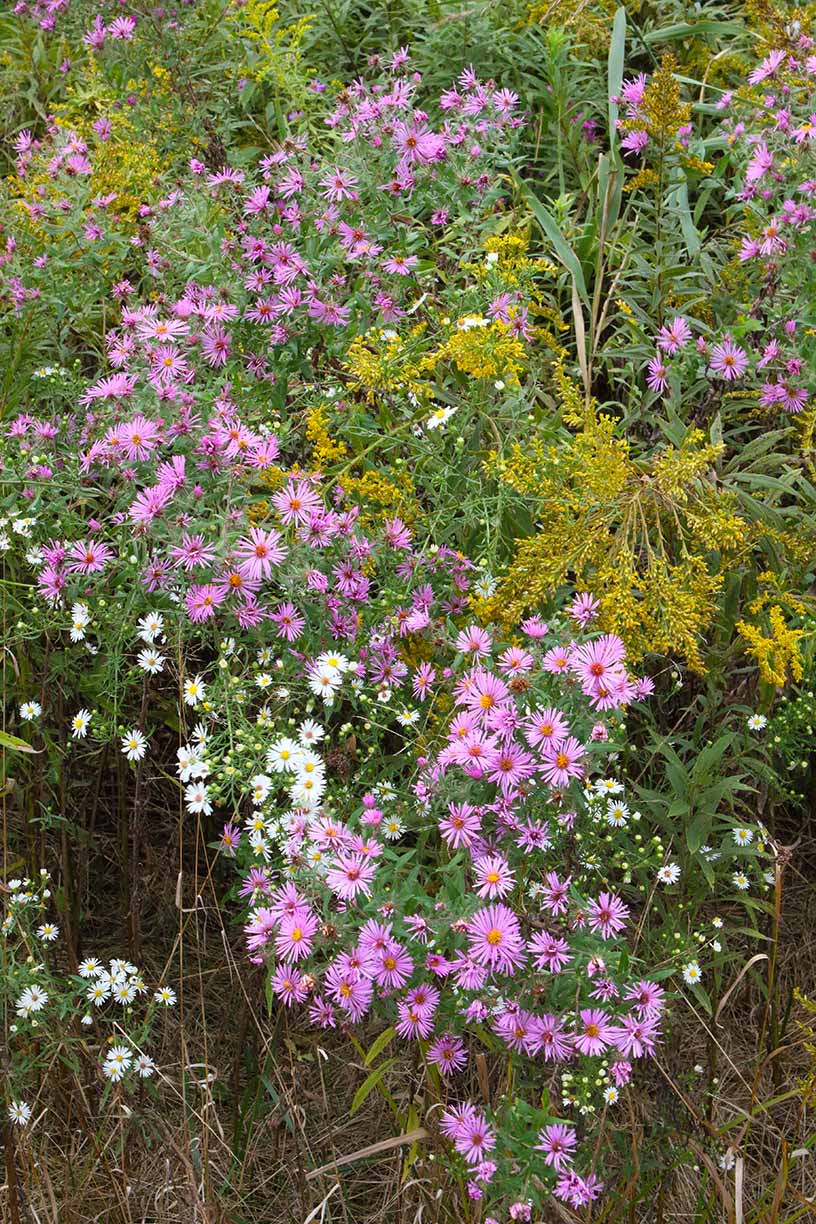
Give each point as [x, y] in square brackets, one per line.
[439, 417]
[19, 1113]
[669, 873]
[150, 661]
[261, 788]
[393, 828]
[194, 691]
[80, 723]
[692, 974]
[124, 992]
[757, 722]
[264, 681]
[165, 996]
[718, 923]
[150, 627]
[608, 786]
[743, 837]
[611, 1095]
[134, 745]
[144, 1066]
[189, 762]
[197, 799]
[98, 992]
[117, 1062]
[30, 710]
[741, 881]
[283, 755]
[408, 717]
[122, 968]
[617, 814]
[48, 931]
[80, 619]
[33, 999]
[310, 733]
[332, 662]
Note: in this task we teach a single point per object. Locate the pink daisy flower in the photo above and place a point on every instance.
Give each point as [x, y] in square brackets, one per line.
[494, 877]
[495, 939]
[594, 1032]
[258, 554]
[728, 360]
[558, 1142]
[607, 915]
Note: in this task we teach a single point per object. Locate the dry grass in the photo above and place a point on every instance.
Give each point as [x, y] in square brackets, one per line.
[245, 1108]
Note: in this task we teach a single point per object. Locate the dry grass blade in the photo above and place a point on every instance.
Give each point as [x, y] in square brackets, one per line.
[373, 1149]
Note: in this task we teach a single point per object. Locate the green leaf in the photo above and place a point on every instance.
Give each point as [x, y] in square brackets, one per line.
[614, 73]
[369, 1084]
[385, 1038]
[15, 744]
[560, 245]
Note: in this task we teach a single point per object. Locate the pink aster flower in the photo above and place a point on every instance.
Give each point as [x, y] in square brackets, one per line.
[474, 640]
[482, 691]
[338, 185]
[289, 985]
[556, 660]
[350, 875]
[558, 1142]
[461, 826]
[551, 1039]
[494, 877]
[289, 621]
[495, 939]
[296, 937]
[258, 554]
[549, 952]
[562, 762]
[393, 967]
[192, 552]
[400, 265]
[607, 915]
[296, 502]
[594, 1032]
[674, 336]
[475, 1139]
[88, 557]
[648, 998]
[555, 893]
[447, 1053]
[215, 345]
[637, 1037]
[546, 727]
[728, 360]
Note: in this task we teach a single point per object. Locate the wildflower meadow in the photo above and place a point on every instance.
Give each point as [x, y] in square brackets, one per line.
[407, 558]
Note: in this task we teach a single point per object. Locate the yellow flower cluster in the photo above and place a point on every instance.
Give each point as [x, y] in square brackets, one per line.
[382, 497]
[325, 450]
[639, 533]
[382, 363]
[279, 46]
[777, 654]
[490, 351]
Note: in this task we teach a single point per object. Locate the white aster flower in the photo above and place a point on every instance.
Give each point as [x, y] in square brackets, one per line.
[19, 1113]
[134, 745]
[80, 723]
[194, 691]
[150, 661]
[692, 973]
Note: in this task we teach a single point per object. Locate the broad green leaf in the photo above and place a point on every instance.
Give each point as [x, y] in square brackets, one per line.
[369, 1084]
[614, 73]
[384, 1039]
